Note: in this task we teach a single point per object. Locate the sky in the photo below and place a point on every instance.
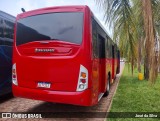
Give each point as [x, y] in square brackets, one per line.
[13, 7]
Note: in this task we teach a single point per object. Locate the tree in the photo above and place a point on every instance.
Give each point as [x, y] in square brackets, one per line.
[135, 26]
[118, 13]
[150, 55]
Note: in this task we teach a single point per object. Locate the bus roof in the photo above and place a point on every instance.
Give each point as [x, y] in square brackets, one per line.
[52, 9]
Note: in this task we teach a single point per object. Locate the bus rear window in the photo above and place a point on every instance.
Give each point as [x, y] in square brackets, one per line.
[51, 26]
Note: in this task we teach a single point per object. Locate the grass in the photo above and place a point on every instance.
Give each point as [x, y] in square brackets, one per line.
[135, 96]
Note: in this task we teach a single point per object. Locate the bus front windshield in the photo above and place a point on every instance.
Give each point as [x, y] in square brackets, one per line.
[66, 26]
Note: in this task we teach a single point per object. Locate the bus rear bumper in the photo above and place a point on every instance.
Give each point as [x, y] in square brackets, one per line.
[76, 98]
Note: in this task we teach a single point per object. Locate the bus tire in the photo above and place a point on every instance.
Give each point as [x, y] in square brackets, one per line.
[108, 88]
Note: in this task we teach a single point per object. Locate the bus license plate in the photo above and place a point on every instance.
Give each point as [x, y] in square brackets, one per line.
[44, 84]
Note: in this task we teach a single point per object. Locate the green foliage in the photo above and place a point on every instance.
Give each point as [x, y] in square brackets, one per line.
[127, 19]
[135, 96]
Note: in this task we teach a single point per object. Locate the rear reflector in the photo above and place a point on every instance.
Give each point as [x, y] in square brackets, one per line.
[14, 75]
[83, 79]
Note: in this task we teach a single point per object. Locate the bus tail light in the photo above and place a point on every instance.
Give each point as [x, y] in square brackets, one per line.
[83, 79]
[14, 75]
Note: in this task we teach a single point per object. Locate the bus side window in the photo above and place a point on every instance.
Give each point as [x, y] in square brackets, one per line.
[101, 44]
[115, 51]
[107, 48]
[94, 39]
[8, 32]
[1, 32]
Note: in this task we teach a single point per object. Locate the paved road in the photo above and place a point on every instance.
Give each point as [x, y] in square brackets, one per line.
[11, 104]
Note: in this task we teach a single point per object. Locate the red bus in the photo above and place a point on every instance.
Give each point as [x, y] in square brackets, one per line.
[63, 55]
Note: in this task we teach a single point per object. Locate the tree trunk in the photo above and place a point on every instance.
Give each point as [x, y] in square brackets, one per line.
[146, 68]
[150, 60]
[139, 55]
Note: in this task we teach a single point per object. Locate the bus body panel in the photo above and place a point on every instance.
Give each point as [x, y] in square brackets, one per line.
[77, 98]
[102, 54]
[62, 67]
[58, 69]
